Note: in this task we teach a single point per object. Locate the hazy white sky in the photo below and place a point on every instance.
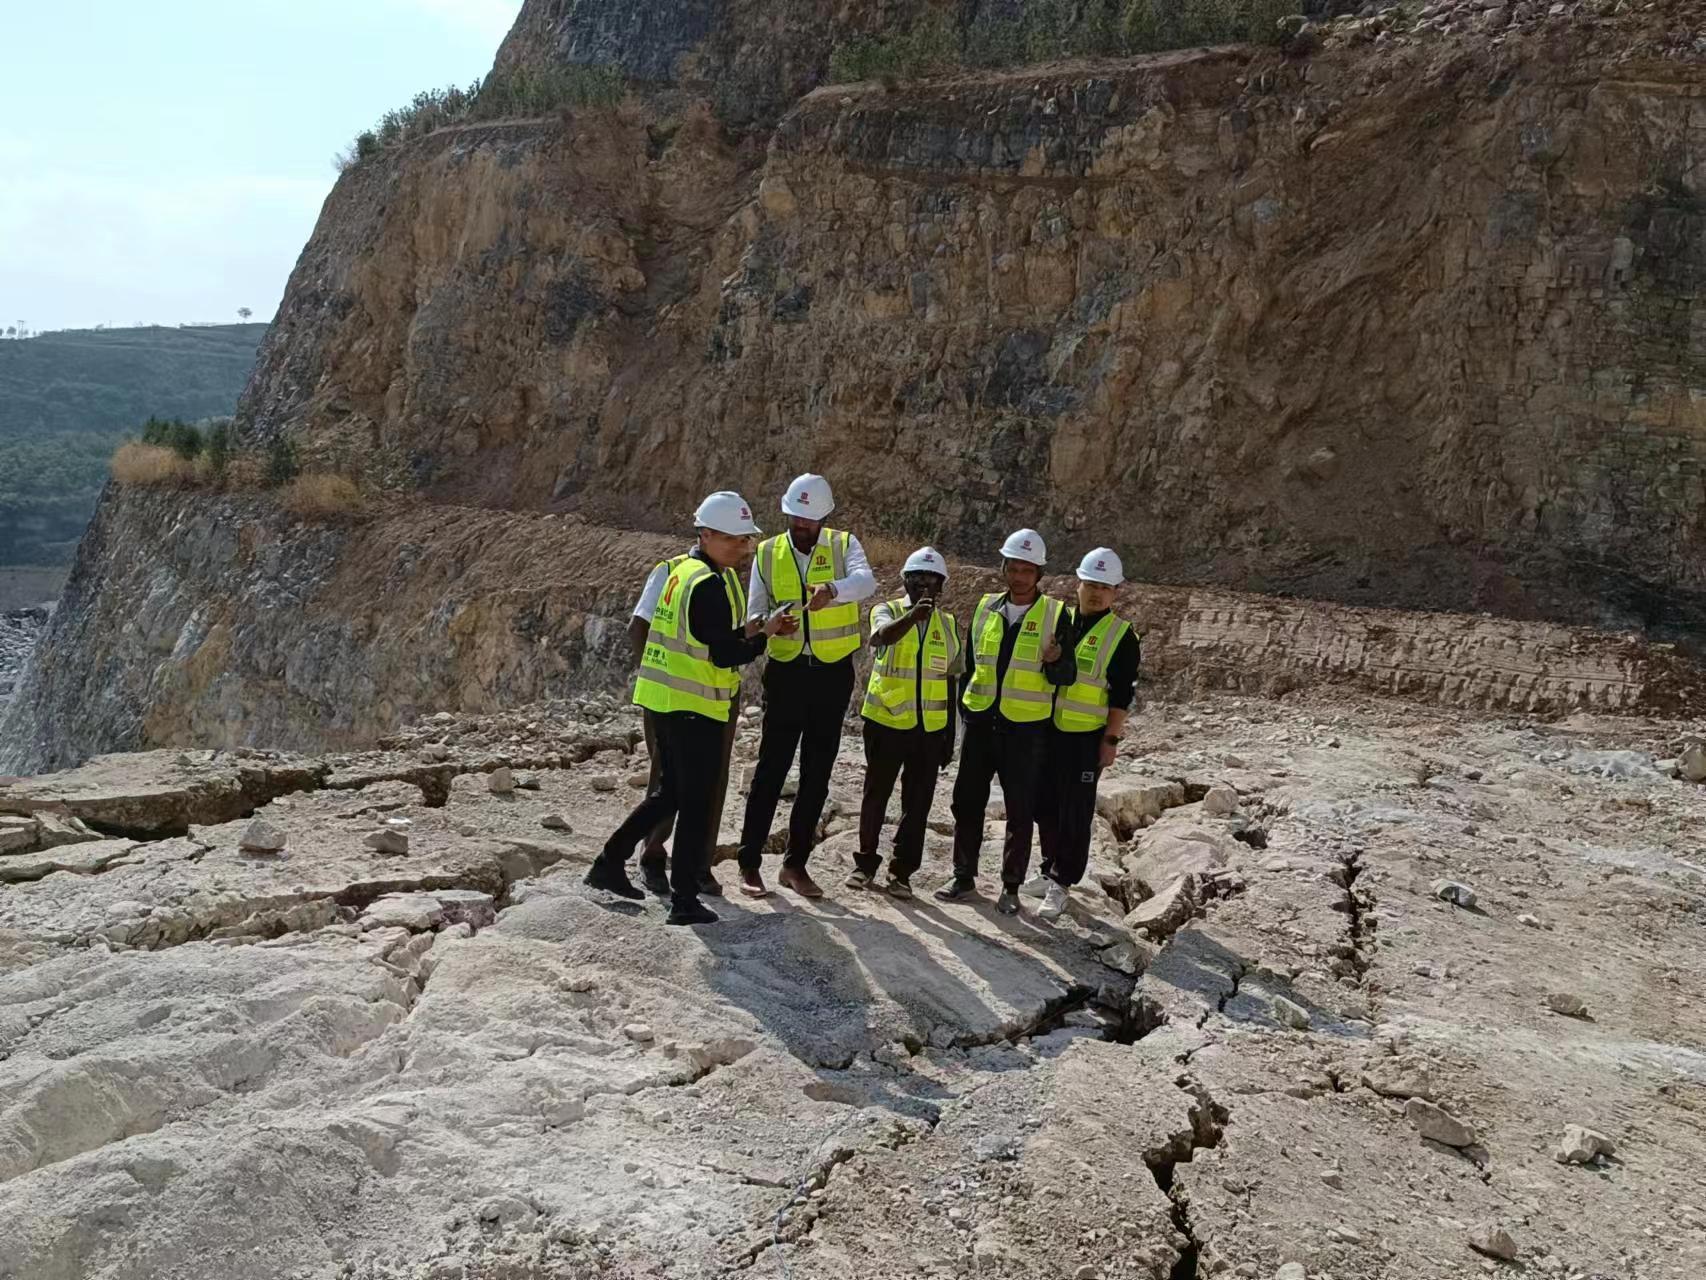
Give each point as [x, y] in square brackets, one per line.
[165, 161]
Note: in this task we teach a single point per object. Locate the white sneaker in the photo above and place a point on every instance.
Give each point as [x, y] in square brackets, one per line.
[1036, 886]
[1054, 902]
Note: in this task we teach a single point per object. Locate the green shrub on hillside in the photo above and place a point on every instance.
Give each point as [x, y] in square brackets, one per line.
[1052, 29]
[509, 94]
[182, 438]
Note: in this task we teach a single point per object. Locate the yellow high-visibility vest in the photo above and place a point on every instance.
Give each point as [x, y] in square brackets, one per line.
[1083, 705]
[1026, 695]
[676, 671]
[834, 629]
[905, 670]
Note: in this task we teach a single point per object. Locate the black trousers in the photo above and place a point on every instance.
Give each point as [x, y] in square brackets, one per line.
[915, 757]
[689, 747]
[804, 705]
[654, 853]
[993, 747]
[1066, 805]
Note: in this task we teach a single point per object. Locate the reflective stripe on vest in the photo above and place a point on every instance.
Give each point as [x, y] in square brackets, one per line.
[1026, 696]
[1083, 705]
[676, 671]
[892, 696]
[834, 630]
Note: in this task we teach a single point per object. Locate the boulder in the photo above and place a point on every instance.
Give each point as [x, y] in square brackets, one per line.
[17, 833]
[1403, 1076]
[1494, 1241]
[261, 836]
[1163, 913]
[501, 781]
[555, 822]
[388, 840]
[1581, 1145]
[1691, 764]
[1453, 891]
[1128, 957]
[1438, 1124]
[412, 911]
[1221, 801]
[1571, 1006]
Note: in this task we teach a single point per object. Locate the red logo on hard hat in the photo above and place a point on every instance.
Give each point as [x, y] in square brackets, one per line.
[805, 499]
[1101, 564]
[745, 514]
[1026, 544]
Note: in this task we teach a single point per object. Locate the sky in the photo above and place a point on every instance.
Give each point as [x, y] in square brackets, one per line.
[165, 161]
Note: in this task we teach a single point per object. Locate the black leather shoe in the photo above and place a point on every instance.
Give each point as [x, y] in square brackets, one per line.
[691, 913]
[710, 886]
[957, 890]
[1008, 903]
[612, 878]
[656, 878]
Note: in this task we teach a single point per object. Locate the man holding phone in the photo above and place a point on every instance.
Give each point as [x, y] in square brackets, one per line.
[689, 676]
[909, 718]
[819, 575]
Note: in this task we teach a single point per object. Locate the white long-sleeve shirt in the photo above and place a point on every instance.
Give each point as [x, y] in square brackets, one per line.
[859, 584]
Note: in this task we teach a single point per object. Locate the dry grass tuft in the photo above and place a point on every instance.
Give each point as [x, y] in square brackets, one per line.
[320, 494]
[151, 464]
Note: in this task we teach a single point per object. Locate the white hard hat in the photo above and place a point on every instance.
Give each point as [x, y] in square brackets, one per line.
[1102, 565]
[927, 560]
[726, 512]
[1026, 544]
[809, 498]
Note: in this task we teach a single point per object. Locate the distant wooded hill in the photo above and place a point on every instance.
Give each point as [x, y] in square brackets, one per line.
[68, 398]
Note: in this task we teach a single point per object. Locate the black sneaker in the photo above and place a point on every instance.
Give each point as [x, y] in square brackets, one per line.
[899, 888]
[656, 878]
[612, 878]
[957, 890]
[858, 880]
[710, 886]
[1008, 903]
[694, 912]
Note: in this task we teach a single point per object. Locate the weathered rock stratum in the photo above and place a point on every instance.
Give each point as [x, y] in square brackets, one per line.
[1406, 316]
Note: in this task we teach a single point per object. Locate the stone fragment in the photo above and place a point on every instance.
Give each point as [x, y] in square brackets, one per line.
[1167, 910]
[1494, 1241]
[1455, 892]
[388, 840]
[1128, 957]
[639, 779]
[1399, 1077]
[16, 833]
[555, 822]
[412, 911]
[1581, 1145]
[1288, 1013]
[1531, 921]
[261, 836]
[1128, 805]
[1438, 1124]
[1221, 801]
[1291, 1271]
[1566, 1003]
[638, 1032]
[603, 782]
[501, 782]
[1691, 764]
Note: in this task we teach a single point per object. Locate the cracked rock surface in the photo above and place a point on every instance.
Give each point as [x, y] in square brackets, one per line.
[329, 1061]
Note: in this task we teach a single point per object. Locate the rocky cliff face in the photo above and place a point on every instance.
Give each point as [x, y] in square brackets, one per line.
[1411, 323]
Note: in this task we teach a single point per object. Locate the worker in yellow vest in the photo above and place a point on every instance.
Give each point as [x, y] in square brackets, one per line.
[1017, 663]
[909, 718]
[689, 675]
[822, 574]
[1089, 719]
[654, 854]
